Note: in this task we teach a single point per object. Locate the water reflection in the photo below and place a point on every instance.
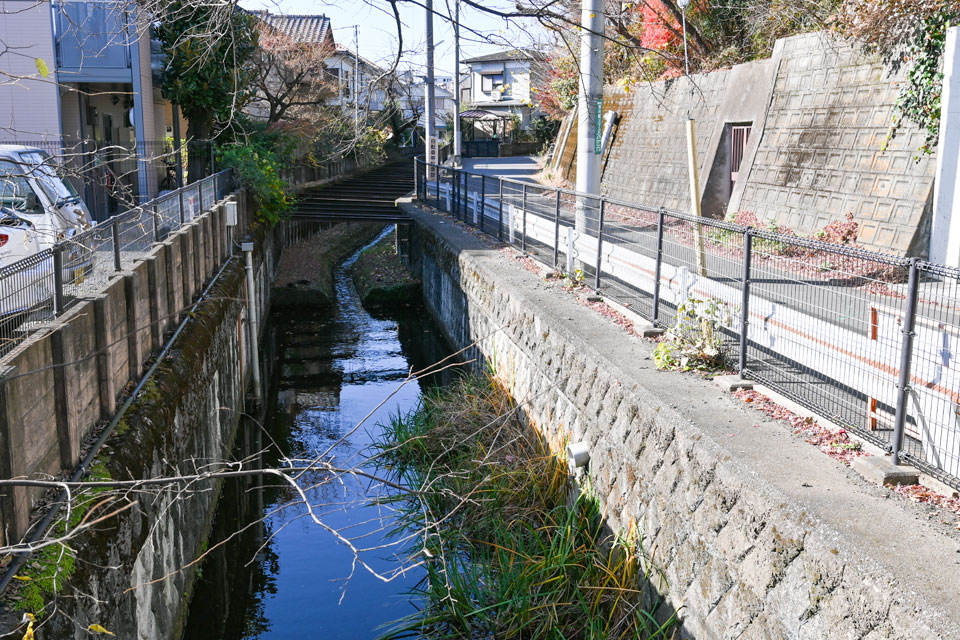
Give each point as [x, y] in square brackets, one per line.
[282, 576]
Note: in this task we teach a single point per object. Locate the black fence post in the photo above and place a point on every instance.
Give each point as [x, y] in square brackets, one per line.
[483, 199]
[659, 267]
[596, 284]
[458, 179]
[556, 232]
[58, 280]
[466, 195]
[745, 300]
[180, 196]
[115, 236]
[500, 211]
[523, 236]
[906, 359]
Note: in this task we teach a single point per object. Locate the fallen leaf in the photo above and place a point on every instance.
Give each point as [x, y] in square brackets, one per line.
[96, 628]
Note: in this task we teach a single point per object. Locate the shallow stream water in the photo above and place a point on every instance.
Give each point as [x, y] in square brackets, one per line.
[279, 574]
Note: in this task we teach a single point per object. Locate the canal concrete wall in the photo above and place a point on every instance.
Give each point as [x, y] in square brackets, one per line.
[132, 574]
[755, 533]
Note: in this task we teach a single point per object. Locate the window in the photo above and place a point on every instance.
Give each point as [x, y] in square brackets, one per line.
[15, 189]
[57, 190]
[491, 82]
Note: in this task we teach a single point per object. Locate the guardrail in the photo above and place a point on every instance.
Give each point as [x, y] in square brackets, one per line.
[327, 170]
[44, 285]
[864, 339]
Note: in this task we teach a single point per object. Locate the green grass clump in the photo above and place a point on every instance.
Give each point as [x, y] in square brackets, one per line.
[508, 553]
[49, 568]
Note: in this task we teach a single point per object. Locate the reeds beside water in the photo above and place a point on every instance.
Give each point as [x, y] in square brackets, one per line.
[512, 549]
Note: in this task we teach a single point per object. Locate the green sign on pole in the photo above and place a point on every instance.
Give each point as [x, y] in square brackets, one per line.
[598, 127]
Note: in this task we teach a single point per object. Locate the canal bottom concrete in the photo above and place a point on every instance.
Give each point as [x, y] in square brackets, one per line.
[757, 534]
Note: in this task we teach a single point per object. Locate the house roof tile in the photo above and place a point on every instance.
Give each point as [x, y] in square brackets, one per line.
[302, 28]
[507, 55]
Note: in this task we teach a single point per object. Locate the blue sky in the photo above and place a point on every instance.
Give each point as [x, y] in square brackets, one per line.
[378, 34]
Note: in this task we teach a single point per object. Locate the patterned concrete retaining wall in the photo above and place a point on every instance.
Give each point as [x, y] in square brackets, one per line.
[69, 375]
[758, 534]
[820, 111]
[130, 575]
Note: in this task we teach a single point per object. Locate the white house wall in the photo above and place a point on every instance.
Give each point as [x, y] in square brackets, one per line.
[28, 106]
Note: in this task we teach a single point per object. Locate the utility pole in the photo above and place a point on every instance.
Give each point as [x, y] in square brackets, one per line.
[456, 84]
[431, 132]
[693, 164]
[356, 83]
[589, 109]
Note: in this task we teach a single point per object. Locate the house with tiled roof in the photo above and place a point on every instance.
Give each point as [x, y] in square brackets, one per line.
[301, 28]
[349, 70]
[500, 83]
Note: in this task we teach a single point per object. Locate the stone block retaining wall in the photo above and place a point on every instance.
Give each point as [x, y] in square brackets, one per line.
[757, 534]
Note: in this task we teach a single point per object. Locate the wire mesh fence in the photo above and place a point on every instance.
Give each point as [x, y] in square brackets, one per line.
[42, 286]
[864, 339]
[112, 177]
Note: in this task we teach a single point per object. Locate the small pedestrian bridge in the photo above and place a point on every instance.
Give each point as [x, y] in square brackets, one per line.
[370, 197]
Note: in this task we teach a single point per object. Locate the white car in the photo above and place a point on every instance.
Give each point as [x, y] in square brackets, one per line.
[32, 188]
[40, 209]
[24, 285]
[18, 237]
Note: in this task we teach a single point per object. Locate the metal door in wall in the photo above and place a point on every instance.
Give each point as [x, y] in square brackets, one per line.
[739, 135]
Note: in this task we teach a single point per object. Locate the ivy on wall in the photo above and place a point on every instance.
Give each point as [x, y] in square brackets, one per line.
[919, 97]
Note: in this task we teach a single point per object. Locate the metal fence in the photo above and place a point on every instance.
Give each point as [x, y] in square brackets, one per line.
[46, 284]
[864, 339]
[108, 175]
[303, 173]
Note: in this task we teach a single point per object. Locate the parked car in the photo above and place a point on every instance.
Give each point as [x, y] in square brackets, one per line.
[31, 186]
[18, 238]
[39, 209]
[23, 285]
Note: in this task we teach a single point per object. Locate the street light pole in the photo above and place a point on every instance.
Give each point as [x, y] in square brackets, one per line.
[589, 105]
[356, 83]
[430, 124]
[456, 84]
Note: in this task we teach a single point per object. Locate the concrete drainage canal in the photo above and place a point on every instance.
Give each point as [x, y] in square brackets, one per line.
[457, 520]
[270, 570]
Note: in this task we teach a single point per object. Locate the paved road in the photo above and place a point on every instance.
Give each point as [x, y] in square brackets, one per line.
[514, 168]
[829, 301]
